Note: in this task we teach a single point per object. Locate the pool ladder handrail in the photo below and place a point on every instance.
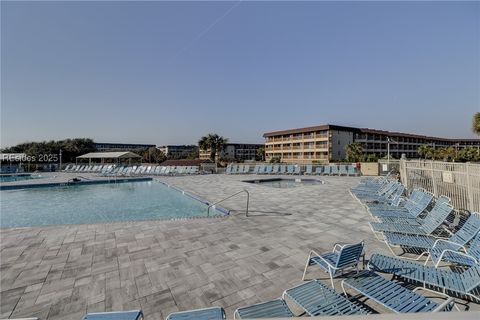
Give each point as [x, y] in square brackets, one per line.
[231, 196]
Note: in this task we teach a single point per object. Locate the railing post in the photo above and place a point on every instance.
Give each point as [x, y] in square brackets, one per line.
[403, 173]
[434, 184]
[469, 189]
[248, 201]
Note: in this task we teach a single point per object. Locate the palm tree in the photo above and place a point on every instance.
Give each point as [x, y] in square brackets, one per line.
[214, 143]
[260, 154]
[425, 151]
[476, 123]
[354, 152]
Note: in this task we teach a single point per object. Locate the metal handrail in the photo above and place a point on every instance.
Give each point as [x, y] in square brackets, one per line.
[233, 195]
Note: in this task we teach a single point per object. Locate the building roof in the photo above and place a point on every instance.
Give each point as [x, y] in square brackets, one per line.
[314, 128]
[109, 155]
[363, 130]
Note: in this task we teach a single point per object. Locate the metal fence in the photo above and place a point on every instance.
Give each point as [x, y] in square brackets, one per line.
[385, 166]
[459, 181]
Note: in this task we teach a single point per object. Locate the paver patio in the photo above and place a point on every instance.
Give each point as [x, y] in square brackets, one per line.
[62, 272]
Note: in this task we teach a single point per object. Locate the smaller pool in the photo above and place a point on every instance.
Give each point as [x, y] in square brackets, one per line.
[286, 183]
[18, 177]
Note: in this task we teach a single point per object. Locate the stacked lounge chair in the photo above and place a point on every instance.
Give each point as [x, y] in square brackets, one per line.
[462, 284]
[392, 295]
[426, 243]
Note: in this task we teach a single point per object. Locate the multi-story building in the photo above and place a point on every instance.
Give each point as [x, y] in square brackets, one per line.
[235, 151]
[178, 151]
[104, 146]
[324, 143]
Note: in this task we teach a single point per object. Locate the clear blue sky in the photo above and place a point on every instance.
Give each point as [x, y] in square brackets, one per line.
[169, 72]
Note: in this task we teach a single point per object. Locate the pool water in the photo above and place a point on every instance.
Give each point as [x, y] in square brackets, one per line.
[286, 183]
[11, 178]
[80, 204]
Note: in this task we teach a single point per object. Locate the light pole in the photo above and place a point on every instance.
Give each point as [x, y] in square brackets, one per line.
[60, 158]
[388, 150]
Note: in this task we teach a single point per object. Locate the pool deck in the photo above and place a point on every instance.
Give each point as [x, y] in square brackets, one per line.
[62, 272]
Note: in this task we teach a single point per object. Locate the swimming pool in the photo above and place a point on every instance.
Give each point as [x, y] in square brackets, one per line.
[18, 177]
[285, 183]
[97, 203]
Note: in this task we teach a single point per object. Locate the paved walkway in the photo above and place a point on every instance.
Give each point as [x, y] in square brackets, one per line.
[62, 272]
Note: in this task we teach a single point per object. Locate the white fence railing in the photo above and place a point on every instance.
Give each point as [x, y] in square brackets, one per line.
[459, 181]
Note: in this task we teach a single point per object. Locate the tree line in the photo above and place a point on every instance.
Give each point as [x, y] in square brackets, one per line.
[71, 148]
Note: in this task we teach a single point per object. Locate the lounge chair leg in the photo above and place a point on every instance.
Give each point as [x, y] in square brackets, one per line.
[426, 261]
[306, 266]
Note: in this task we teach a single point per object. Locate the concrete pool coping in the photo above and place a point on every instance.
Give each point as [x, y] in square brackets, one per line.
[72, 183]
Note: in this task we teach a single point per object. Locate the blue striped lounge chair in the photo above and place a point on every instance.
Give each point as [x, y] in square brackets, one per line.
[246, 168]
[342, 170]
[275, 169]
[127, 171]
[228, 169]
[271, 309]
[352, 171]
[427, 226]
[340, 258]
[376, 191]
[313, 297]
[327, 170]
[117, 315]
[390, 217]
[393, 296]
[290, 169]
[426, 243]
[256, 169]
[268, 169]
[262, 168]
[373, 187]
[404, 205]
[411, 210]
[296, 169]
[318, 170]
[461, 284]
[215, 313]
[334, 170]
[308, 169]
[194, 170]
[316, 299]
[469, 257]
[283, 169]
[389, 197]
